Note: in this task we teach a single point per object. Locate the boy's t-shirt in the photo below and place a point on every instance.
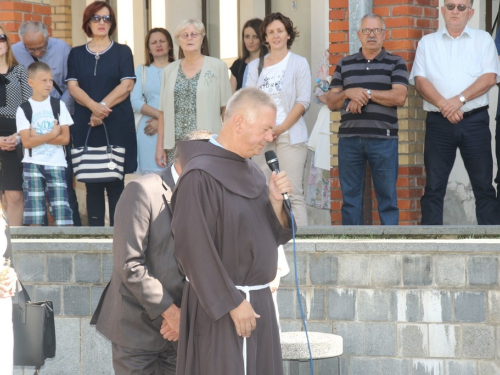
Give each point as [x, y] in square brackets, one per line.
[43, 122]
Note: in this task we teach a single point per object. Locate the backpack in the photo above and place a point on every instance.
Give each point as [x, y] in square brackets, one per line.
[28, 110]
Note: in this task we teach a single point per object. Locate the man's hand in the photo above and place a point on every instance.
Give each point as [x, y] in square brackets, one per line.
[278, 185]
[354, 107]
[171, 323]
[450, 106]
[8, 284]
[244, 318]
[456, 117]
[275, 284]
[152, 127]
[357, 95]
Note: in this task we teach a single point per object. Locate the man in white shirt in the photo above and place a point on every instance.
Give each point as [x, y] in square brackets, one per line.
[454, 69]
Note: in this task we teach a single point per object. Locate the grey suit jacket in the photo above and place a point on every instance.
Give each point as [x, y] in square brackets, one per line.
[146, 279]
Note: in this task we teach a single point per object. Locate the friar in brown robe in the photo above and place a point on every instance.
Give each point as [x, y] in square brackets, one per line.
[227, 225]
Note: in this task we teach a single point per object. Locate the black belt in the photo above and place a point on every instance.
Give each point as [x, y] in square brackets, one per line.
[469, 113]
[476, 110]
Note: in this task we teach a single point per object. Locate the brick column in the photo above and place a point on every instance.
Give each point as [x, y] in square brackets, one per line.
[406, 22]
[12, 13]
[61, 20]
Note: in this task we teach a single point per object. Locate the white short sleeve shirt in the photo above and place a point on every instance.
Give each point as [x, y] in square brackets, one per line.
[453, 64]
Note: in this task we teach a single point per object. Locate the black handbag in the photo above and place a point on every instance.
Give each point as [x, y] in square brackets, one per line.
[34, 330]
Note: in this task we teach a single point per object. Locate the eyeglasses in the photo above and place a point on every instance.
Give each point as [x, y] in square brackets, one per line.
[3, 38]
[39, 49]
[187, 35]
[96, 19]
[376, 31]
[460, 7]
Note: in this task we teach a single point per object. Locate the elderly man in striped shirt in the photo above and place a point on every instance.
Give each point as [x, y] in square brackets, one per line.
[367, 87]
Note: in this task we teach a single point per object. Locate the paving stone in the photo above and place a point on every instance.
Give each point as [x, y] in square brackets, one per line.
[444, 340]
[323, 269]
[67, 359]
[470, 307]
[51, 293]
[412, 340]
[482, 271]
[390, 366]
[76, 300]
[417, 270]
[372, 305]
[107, 267]
[437, 306]
[59, 268]
[88, 268]
[286, 302]
[380, 339]
[353, 270]
[449, 271]
[385, 270]
[96, 292]
[493, 307]
[428, 367]
[478, 341]
[302, 266]
[364, 366]
[353, 336]
[18, 370]
[342, 304]
[460, 367]
[96, 351]
[30, 267]
[405, 305]
[313, 303]
[489, 368]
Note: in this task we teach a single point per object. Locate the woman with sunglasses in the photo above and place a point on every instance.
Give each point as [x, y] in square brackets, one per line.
[286, 77]
[100, 79]
[251, 47]
[194, 92]
[14, 90]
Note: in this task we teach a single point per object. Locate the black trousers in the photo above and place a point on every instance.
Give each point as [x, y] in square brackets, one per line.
[128, 361]
[473, 138]
[96, 205]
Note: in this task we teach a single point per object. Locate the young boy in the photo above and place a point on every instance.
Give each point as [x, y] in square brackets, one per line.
[43, 138]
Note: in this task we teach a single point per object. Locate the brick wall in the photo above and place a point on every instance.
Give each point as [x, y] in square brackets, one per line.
[12, 13]
[61, 20]
[406, 22]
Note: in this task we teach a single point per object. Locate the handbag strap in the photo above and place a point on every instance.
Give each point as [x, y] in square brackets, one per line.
[108, 148]
[21, 298]
[144, 82]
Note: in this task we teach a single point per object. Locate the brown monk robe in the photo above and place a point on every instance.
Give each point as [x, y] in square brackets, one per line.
[227, 230]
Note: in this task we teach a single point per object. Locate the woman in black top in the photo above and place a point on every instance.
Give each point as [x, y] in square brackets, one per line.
[252, 48]
[100, 79]
[14, 90]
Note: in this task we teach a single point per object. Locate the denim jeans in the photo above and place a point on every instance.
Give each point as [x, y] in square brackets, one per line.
[472, 136]
[382, 155]
[96, 205]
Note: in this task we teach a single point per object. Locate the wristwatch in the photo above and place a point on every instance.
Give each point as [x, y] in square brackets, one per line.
[462, 98]
[102, 103]
[369, 92]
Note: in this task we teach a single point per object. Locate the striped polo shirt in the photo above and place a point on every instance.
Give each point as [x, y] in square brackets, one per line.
[385, 70]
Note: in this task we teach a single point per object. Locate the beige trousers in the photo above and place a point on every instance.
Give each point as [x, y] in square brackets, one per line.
[292, 160]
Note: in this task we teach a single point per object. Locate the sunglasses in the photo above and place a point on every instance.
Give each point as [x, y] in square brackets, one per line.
[460, 7]
[96, 19]
[3, 38]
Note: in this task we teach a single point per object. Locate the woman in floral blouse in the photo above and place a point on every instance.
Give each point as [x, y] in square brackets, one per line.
[194, 92]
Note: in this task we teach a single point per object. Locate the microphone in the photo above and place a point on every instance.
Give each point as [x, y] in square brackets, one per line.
[274, 165]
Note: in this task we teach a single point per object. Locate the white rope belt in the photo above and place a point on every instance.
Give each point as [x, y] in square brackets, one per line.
[246, 290]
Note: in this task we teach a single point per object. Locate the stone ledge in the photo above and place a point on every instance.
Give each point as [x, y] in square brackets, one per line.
[323, 345]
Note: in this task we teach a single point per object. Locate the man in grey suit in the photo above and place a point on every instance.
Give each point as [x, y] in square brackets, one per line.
[145, 291]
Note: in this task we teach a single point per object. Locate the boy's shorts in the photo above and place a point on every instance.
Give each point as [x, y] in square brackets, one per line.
[41, 179]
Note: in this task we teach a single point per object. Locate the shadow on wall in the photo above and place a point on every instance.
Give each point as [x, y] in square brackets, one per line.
[459, 205]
